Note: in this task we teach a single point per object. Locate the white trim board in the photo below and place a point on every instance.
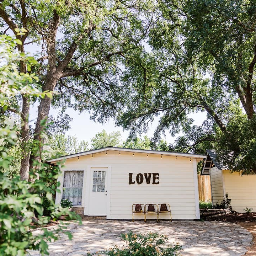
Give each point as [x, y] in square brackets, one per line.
[91, 152]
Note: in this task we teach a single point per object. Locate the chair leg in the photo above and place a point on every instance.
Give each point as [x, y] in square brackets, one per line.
[145, 217]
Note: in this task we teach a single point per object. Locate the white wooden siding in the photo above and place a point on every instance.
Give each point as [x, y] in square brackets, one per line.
[241, 190]
[216, 185]
[176, 182]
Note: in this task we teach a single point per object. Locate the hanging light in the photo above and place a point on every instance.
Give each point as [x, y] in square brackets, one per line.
[92, 155]
[161, 156]
[133, 154]
[106, 152]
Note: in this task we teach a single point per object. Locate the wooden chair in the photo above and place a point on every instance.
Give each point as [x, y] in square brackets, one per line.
[164, 208]
[138, 208]
[151, 208]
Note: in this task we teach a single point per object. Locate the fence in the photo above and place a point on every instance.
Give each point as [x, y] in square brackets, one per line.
[204, 188]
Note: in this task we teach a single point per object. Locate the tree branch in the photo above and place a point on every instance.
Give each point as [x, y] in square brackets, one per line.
[63, 64]
[51, 41]
[213, 115]
[8, 20]
[15, 8]
[249, 102]
[81, 71]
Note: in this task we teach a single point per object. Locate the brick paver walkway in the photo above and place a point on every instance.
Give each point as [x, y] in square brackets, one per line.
[196, 237]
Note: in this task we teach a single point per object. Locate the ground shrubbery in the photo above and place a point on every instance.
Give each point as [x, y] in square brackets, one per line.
[23, 207]
[151, 244]
[205, 205]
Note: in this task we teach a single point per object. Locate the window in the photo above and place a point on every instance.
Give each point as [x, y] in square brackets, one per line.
[99, 178]
[73, 186]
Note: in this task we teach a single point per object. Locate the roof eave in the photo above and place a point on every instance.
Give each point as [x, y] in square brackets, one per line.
[126, 150]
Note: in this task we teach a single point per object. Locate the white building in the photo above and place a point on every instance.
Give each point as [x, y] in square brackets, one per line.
[108, 181]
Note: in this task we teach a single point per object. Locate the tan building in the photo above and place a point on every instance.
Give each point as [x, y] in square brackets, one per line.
[109, 181]
[241, 189]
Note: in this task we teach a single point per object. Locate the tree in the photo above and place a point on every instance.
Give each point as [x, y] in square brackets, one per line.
[102, 140]
[138, 143]
[59, 144]
[146, 143]
[84, 45]
[203, 58]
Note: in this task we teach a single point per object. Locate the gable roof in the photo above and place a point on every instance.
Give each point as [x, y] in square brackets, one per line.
[126, 150]
[210, 162]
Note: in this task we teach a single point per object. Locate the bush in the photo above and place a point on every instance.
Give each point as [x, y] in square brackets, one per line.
[224, 204]
[151, 244]
[65, 203]
[205, 205]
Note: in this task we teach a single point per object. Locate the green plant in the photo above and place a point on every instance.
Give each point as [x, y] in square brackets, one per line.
[151, 244]
[22, 203]
[205, 205]
[65, 203]
[224, 204]
[248, 210]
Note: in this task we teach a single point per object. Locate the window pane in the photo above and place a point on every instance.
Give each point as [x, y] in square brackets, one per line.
[73, 186]
[99, 178]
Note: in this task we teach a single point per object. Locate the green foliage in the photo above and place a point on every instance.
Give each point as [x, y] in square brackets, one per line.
[146, 143]
[224, 204]
[151, 244]
[22, 208]
[205, 205]
[60, 144]
[22, 203]
[65, 203]
[201, 60]
[138, 143]
[102, 140]
[248, 210]
[81, 68]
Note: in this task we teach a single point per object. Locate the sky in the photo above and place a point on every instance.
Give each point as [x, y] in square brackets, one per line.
[85, 129]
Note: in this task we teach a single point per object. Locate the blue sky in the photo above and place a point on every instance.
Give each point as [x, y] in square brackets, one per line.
[85, 129]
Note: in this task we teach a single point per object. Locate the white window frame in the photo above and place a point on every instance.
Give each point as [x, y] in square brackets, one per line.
[61, 180]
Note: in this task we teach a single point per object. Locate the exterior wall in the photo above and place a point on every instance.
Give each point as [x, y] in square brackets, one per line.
[241, 190]
[177, 182]
[216, 185]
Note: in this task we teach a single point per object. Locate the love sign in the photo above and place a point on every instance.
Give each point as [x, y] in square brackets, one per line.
[149, 178]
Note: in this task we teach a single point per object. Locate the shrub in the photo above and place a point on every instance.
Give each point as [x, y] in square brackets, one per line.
[224, 204]
[205, 205]
[65, 203]
[151, 244]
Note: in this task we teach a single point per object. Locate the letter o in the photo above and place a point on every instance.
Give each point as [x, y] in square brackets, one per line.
[139, 178]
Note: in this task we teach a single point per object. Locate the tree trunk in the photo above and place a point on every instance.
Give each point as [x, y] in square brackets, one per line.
[41, 123]
[25, 149]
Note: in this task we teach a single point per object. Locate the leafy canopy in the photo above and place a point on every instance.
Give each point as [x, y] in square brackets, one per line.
[202, 59]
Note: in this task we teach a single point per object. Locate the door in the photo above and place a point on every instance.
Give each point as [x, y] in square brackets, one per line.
[98, 192]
